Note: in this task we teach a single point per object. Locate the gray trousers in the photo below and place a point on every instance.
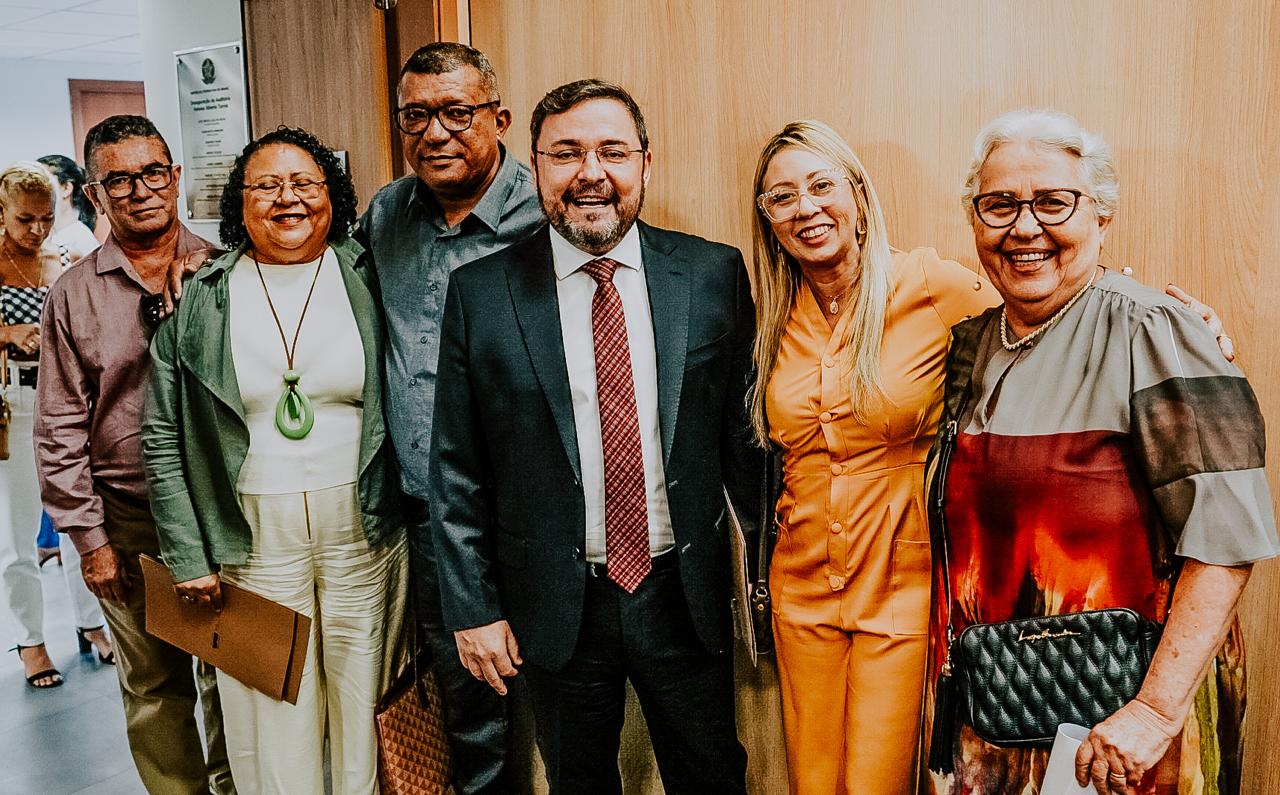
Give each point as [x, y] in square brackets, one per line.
[159, 685]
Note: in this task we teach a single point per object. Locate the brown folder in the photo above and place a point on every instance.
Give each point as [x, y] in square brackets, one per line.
[261, 643]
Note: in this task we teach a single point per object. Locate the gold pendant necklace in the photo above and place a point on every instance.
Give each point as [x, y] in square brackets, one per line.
[4, 246]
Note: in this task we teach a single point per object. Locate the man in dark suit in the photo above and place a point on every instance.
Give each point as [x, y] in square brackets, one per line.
[590, 404]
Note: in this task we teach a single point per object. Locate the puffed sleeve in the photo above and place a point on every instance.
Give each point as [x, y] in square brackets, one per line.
[956, 292]
[1199, 437]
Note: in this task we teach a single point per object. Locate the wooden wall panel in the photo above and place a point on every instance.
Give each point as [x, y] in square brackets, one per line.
[321, 65]
[1187, 93]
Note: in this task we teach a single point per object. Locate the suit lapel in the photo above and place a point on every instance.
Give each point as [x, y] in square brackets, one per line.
[532, 282]
[667, 277]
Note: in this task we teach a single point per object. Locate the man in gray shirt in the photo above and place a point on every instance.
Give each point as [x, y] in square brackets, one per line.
[466, 198]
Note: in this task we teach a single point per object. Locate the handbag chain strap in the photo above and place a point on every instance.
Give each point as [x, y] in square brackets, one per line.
[4, 361]
[948, 434]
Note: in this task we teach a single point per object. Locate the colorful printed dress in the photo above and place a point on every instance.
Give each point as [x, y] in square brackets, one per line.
[1087, 467]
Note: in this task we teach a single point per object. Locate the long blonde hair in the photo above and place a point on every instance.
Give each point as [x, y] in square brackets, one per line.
[777, 277]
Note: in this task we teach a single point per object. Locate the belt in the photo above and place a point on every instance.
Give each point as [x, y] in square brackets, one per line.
[667, 560]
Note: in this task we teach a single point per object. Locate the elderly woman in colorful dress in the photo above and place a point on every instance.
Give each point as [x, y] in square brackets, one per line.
[1107, 456]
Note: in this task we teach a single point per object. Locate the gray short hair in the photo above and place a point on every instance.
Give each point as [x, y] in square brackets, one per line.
[1054, 129]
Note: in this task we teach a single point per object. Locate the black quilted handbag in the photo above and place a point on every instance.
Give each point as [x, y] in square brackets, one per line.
[1022, 678]
[1014, 681]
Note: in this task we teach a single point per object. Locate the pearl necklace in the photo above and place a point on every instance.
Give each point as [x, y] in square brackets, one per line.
[1027, 340]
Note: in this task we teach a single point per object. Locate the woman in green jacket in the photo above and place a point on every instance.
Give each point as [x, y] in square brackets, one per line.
[269, 463]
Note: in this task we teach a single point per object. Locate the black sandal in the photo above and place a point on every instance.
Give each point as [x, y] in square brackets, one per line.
[48, 673]
[86, 645]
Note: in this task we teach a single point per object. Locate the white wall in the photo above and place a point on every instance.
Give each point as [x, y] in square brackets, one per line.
[35, 104]
[168, 26]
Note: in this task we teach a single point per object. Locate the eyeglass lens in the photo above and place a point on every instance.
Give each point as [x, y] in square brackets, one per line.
[1049, 208]
[154, 177]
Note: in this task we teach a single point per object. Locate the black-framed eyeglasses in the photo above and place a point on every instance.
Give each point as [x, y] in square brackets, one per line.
[454, 117]
[156, 177]
[270, 189]
[782, 204]
[576, 156]
[1050, 207]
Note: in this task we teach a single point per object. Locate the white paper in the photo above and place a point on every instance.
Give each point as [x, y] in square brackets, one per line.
[1060, 775]
[743, 627]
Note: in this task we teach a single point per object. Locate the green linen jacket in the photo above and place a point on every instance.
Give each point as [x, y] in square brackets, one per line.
[194, 436]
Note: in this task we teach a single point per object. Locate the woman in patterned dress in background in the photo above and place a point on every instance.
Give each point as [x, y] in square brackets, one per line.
[27, 268]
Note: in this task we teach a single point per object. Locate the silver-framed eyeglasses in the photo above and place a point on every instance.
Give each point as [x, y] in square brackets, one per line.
[1050, 207]
[270, 189]
[454, 117]
[782, 204]
[155, 177]
[572, 156]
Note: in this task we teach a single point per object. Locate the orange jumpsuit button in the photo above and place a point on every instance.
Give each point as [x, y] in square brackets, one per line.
[836, 527]
[836, 469]
[825, 416]
[828, 361]
[836, 581]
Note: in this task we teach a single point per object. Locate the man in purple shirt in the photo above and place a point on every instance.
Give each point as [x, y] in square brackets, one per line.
[94, 366]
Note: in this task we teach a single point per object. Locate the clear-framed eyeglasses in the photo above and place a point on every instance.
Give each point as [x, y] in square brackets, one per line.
[782, 204]
[1050, 207]
[454, 117]
[575, 156]
[155, 177]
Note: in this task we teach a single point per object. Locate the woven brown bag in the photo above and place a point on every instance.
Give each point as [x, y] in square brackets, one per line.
[413, 752]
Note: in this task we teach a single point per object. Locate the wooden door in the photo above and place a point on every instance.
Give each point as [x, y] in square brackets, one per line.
[322, 66]
[94, 100]
[1185, 93]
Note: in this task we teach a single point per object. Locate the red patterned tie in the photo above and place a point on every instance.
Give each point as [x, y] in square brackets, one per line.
[626, 518]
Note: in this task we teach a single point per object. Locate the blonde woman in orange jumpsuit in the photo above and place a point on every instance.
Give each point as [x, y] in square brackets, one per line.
[850, 347]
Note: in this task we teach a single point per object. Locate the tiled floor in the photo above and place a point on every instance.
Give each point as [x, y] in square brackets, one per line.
[69, 739]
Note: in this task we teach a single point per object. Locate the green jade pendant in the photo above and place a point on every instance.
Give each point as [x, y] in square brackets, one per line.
[294, 415]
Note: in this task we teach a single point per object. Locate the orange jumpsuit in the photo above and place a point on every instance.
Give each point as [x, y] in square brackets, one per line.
[851, 571]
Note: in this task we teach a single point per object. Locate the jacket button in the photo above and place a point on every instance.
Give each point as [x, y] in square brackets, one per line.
[836, 527]
[836, 469]
[825, 416]
[836, 581]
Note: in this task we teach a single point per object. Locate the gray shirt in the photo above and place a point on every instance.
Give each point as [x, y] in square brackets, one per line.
[414, 252]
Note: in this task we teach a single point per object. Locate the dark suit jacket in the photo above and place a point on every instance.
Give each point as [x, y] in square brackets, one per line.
[506, 490]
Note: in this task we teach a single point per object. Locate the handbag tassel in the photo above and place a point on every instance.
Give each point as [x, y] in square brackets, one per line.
[942, 744]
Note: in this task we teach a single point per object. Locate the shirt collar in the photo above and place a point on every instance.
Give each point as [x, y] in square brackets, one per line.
[112, 257]
[568, 258]
[488, 210]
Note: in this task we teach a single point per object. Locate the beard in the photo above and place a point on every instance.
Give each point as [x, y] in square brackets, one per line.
[598, 236]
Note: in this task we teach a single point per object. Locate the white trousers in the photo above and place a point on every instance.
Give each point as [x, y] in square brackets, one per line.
[21, 596]
[309, 553]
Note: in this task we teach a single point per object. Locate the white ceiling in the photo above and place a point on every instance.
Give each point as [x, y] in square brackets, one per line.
[89, 31]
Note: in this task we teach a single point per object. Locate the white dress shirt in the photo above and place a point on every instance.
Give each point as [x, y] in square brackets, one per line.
[574, 289]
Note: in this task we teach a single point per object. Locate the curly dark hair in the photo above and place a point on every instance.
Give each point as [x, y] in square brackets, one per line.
[342, 193]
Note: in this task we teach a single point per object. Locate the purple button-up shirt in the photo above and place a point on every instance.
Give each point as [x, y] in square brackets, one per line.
[94, 365]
